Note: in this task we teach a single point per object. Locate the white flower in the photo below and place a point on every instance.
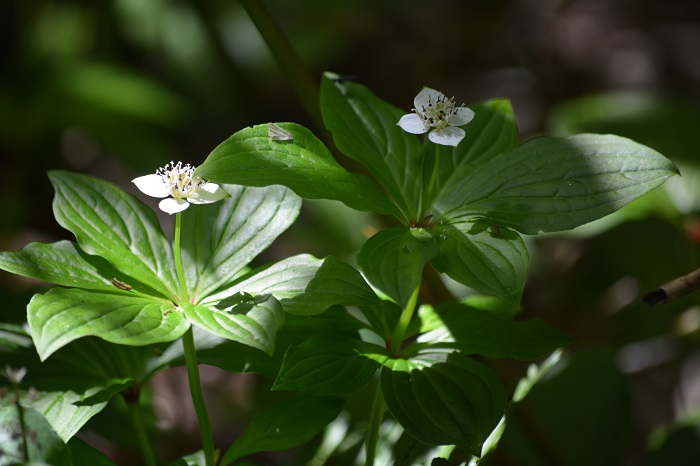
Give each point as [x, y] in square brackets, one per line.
[177, 181]
[434, 110]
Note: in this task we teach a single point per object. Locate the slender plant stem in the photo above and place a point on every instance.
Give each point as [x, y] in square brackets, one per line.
[375, 423]
[404, 319]
[191, 357]
[287, 59]
[137, 421]
[433, 176]
[197, 398]
[178, 258]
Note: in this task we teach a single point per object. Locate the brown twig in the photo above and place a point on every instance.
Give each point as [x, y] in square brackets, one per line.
[681, 286]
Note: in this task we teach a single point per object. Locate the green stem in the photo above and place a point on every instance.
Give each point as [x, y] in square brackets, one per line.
[287, 59]
[197, 398]
[140, 430]
[178, 259]
[404, 319]
[433, 176]
[375, 423]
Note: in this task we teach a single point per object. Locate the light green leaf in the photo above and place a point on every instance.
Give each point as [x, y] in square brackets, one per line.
[329, 366]
[393, 260]
[305, 165]
[488, 259]
[443, 399]
[553, 184]
[305, 285]
[62, 315]
[253, 323]
[30, 430]
[112, 224]
[365, 128]
[485, 332]
[285, 425]
[61, 263]
[220, 239]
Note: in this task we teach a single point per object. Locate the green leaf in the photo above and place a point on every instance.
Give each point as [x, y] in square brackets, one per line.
[285, 425]
[305, 165]
[443, 399]
[492, 131]
[305, 285]
[393, 260]
[254, 323]
[110, 223]
[43, 445]
[491, 334]
[488, 259]
[62, 315]
[220, 239]
[553, 184]
[365, 128]
[87, 455]
[329, 366]
[62, 263]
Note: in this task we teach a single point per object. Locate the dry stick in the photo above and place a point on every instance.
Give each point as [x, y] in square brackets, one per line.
[681, 286]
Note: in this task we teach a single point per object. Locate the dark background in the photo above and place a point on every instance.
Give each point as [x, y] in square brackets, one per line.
[118, 88]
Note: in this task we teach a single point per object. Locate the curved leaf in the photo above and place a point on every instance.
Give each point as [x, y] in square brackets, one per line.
[444, 399]
[553, 184]
[305, 285]
[304, 164]
[62, 315]
[253, 324]
[488, 259]
[220, 239]
[112, 224]
[393, 260]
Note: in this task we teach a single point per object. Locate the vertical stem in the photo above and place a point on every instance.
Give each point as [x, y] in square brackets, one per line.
[191, 357]
[375, 423]
[404, 319]
[433, 176]
[197, 398]
[134, 405]
[178, 258]
[286, 57]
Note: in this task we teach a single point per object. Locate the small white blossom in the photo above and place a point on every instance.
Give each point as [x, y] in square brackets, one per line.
[434, 110]
[177, 181]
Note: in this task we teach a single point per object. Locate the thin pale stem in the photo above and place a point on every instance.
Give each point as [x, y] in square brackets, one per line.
[433, 176]
[178, 259]
[375, 423]
[197, 397]
[402, 325]
[140, 430]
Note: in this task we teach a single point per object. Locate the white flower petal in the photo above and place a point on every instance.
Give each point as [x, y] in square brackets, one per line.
[207, 193]
[425, 96]
[173, 206]
[450, 136]
[412, 123]
[462, 116]
[151, 185]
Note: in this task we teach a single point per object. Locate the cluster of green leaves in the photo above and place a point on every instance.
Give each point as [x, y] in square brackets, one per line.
[462, 209]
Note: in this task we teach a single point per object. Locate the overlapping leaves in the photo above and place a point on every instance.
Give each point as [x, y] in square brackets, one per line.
[122, 275]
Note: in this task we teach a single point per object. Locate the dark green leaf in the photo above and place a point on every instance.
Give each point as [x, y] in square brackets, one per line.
[305, 285]
[62, 315]
[484, 332]
[253, 324]
[443, 399]
[220, 239]
[365, 128]
[305, 165]
[112, 224]
[325, 366]
[285, 425]
[486, 258]
[393, 260]
[552, 184]
[86, 455]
